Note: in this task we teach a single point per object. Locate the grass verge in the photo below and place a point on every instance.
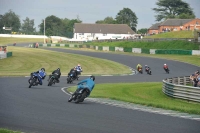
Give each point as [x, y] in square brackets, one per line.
[11, 40]
[26, 60]
[174, 44]
[174, 34]
[149, 94]
[2, 130]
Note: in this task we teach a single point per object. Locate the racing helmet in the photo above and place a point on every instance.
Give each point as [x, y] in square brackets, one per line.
[92, 77]
[165, 64]
[58, 69]
[43, 69]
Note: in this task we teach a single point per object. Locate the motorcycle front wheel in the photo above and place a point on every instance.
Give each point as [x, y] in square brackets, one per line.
[32, 82]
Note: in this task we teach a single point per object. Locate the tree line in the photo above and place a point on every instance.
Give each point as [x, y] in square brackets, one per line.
[55, 26]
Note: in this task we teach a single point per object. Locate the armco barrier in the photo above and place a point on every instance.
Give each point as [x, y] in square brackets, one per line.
[176, 87]
[180, 52]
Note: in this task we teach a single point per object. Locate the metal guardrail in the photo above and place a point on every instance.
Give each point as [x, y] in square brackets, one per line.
[176, 87]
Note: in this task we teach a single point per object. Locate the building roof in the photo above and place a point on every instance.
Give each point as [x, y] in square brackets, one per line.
[155, 26]
[175, 22]
[103, 28]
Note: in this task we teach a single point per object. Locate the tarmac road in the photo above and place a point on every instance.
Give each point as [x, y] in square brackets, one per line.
[44, 109]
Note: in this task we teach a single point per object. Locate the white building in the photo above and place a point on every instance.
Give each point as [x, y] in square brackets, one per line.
[102, 31]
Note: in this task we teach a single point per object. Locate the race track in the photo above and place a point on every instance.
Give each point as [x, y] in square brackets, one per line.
[44, 109]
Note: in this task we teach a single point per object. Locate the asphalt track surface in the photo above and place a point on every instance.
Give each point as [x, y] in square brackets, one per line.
[44, 109]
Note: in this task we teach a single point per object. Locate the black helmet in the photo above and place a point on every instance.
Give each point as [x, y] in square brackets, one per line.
[58, 69]
[92, 77]
[42, 69]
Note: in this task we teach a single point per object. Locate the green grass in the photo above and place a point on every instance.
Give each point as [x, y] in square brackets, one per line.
[26, 60]
[149, 94]
[174, 34]
[11, 40]
[2, 130]
[175, 44]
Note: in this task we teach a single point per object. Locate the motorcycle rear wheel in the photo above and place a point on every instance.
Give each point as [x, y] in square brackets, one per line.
[50, 82]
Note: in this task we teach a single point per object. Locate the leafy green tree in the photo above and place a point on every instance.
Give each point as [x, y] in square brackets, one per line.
[142, 31]
[10, 19]
[127, 16]
[185, 16]
[172, 9]
[53, 26]
[28, 26]
[107, 20]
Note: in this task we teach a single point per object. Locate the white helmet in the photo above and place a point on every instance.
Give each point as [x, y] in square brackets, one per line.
[165, 64]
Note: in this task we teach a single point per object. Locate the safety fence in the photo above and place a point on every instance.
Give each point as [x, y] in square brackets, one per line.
[177, 87]
[5, 54]
[125, 49]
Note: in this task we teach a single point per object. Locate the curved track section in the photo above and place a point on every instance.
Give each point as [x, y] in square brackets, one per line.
[44, 109]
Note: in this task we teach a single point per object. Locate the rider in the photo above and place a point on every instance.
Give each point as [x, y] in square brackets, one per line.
[73, 71]
[79, 69]
[147, 68]
[86, 83]
[165, 67]
[139, 66]
[56, 73]
[40, 75]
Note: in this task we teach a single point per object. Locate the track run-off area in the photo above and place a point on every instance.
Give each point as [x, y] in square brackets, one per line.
[44, 109]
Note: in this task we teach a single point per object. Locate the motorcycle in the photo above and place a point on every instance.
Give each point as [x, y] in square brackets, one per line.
[79, 73]
[52, 80]
[140, 70]
[166, 70]
[33, 80]
[80, 95]
[148, 71]
[70, 78]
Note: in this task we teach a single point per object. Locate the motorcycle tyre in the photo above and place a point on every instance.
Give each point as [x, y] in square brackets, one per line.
[32, 82]
[81, 97]
[50, 82]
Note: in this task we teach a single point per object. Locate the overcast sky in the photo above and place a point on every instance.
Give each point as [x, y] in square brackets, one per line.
[89, 11]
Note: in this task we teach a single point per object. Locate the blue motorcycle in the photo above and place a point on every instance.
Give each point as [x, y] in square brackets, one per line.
[33, 80]
[71, 78]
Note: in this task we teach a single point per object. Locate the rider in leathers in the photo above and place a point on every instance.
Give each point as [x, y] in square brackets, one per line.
[40, 76]
[56, 73]
[86, 83]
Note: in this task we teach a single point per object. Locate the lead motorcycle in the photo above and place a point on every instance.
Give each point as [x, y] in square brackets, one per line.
[33, 80]
[140, 70]
[80, 95]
